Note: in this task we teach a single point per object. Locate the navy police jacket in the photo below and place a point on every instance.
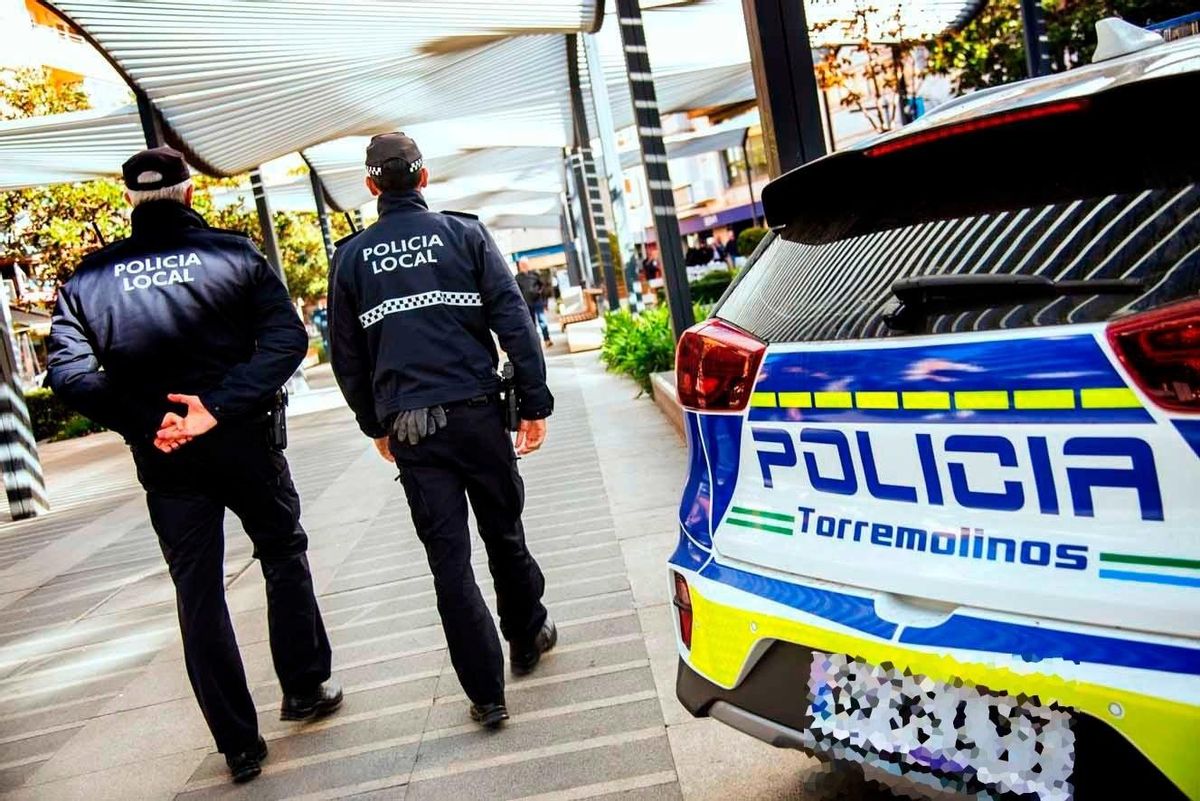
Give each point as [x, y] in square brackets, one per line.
[414, 298]
[178, 307]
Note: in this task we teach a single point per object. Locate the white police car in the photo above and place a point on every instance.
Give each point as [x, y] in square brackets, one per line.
[942, 516]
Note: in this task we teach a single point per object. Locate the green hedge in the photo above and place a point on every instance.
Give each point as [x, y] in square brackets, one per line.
[638, 346]
[641, 346]
[748, 240]
[708, 289]
[54, 421]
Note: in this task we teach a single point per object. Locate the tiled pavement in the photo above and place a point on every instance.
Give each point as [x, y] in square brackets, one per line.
[94, 701]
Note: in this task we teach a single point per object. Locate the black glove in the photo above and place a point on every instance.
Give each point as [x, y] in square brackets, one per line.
[413, 425]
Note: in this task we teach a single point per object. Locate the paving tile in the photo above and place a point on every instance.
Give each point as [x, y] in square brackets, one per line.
[713, 761]
[129, 737]
[154, 779]
[537, 773]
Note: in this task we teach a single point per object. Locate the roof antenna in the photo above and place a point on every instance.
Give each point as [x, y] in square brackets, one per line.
[1115, 37]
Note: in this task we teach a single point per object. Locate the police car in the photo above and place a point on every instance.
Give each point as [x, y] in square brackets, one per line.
[942, 514]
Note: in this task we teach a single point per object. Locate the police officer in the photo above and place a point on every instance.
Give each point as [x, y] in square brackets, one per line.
[414, 300]
[178, 338]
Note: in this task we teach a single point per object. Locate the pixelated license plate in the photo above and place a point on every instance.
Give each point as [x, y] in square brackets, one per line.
[1005, 744]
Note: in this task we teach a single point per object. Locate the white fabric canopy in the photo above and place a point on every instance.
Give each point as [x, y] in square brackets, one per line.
[240, 83]
[63, 148]
[682, 146]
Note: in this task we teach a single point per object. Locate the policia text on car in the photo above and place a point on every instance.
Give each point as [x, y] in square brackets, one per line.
[415, 298]
[179, 338]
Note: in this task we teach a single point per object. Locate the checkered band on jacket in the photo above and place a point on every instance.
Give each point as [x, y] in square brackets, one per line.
[420, 301]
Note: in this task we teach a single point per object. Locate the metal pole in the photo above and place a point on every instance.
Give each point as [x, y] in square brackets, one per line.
[749, 177]
[901, 86]
[354, 226]
[1037, 56]
[570, 252]
[608, 147]
[297, 383]
[585, 233]
[782, 61]
[595, 198]
[358, 219]
[322, 215]
[24, 483]
[830, 137]
[266, 223]
[654, 160]
[151, 130]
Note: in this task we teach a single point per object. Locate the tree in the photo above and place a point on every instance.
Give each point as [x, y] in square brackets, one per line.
[874, 79]
[990, 50]
[56, 226]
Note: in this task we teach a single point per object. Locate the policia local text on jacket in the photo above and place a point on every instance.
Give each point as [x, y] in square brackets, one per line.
[180, 307]
[414, 300]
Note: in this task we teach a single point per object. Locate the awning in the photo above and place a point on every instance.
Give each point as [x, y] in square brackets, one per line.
[241, 83]
[682, 146]
[63, 148]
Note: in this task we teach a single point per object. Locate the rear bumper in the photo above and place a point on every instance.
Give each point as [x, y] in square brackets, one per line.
[766, 706]
[749, 669]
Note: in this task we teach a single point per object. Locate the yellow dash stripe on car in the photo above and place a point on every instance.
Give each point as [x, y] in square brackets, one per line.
[926, 400]
[833, 400]
[877, 400]
[981, 399]
[1044, 399]
[795, 400]
[763, 400]
[1115, 398]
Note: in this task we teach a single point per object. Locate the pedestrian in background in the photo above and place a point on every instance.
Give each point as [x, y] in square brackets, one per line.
[179, 339]
[534, 291]
[633, 283]
[320, 319]
[415, 299]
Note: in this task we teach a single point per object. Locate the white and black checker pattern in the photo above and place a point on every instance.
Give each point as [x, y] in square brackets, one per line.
[421, 301]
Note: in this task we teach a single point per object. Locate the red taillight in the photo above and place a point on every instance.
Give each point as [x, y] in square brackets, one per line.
[978, 124]
[1161, 351]
[716, 365]
[683, 607]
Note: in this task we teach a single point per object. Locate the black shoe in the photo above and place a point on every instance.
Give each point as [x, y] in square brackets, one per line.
[320, 702]
[524, 657]
[490, 716]
[247, 765]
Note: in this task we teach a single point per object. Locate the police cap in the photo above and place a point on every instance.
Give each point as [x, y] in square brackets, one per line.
[393, 152]
[155, 168]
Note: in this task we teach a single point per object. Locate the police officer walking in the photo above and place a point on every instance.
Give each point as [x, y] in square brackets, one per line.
[179, 338]
[415, 298]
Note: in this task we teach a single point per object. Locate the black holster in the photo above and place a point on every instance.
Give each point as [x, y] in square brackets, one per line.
[508, 391]
[277, 436]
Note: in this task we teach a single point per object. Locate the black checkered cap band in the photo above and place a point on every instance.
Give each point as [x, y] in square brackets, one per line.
[379, 170]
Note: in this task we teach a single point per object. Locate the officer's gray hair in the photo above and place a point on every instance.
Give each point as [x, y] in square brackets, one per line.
[176, 192]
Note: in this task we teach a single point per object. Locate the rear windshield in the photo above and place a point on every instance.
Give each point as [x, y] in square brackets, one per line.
[841, 289]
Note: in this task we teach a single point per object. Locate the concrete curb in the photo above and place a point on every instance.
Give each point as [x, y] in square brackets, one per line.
[662, 386]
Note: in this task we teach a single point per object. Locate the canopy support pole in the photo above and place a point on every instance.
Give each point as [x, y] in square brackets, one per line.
[781, 59]
[594, 202]
[322, 215]
[589, 260]
[610, 159]
[749, 177]
[654, 160]
[1033, 21]
[266, 223]
[151, 129]
[24, 483]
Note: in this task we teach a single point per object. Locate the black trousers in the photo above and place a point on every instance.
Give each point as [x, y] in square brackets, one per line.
[188, 491]
[473, 458]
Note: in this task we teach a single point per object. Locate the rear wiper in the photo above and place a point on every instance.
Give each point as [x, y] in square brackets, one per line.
[921, 298]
